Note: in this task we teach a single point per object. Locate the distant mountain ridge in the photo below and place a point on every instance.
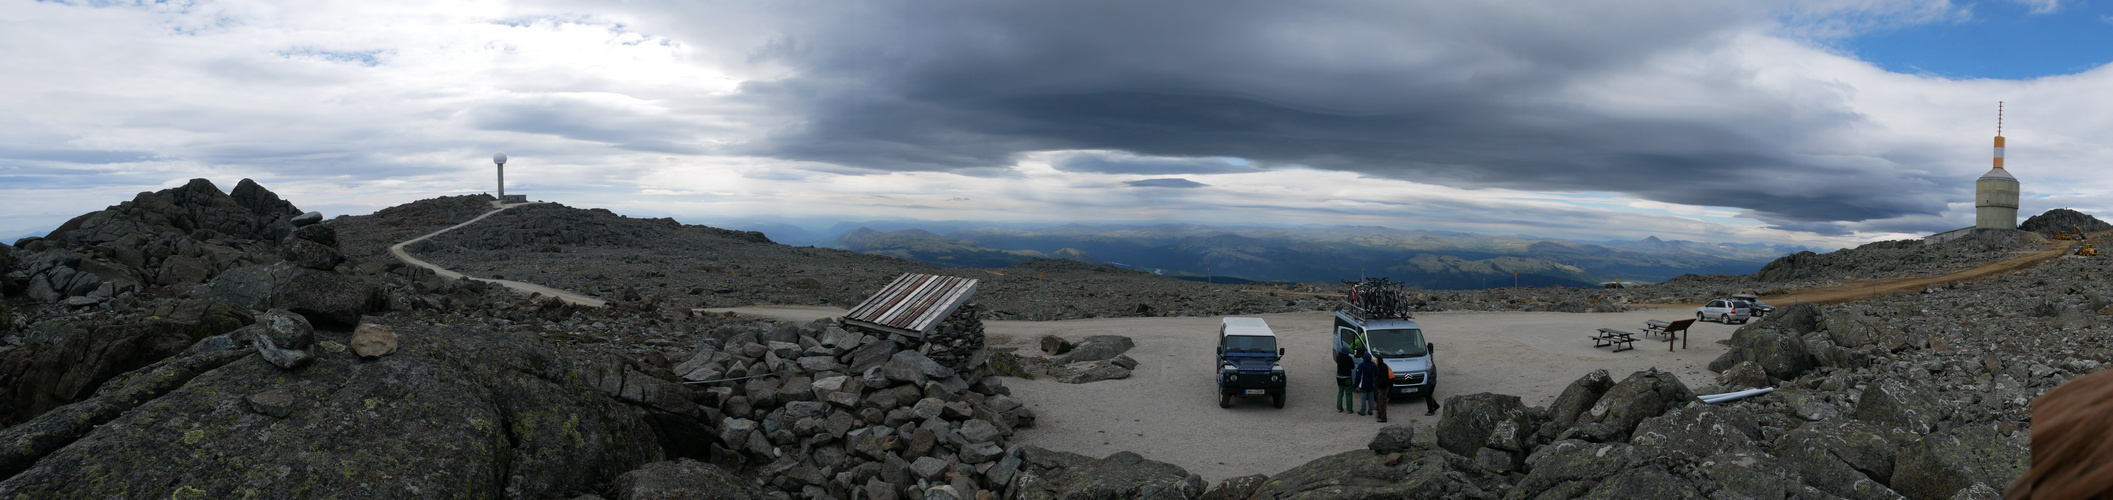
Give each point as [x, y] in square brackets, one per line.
[1429, 259]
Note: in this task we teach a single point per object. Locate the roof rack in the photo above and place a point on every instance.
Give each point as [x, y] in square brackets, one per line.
[1377, 298]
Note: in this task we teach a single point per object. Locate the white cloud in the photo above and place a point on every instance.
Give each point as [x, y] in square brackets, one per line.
[671, 109]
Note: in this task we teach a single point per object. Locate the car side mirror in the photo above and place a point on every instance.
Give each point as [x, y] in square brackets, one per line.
[1221, 349]
[1430, 347]
[1280, 351]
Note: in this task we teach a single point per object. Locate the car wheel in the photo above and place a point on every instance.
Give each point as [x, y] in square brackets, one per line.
[1277, 399]
[1699, 317]
[1225, 400]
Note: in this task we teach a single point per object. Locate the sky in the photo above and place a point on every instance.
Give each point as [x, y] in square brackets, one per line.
[1812, 122]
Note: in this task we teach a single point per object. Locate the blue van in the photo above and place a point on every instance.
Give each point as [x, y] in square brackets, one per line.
[1400, 344]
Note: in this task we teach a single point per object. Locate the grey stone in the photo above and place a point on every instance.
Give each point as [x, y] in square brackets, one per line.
[1394, 438]
[275, 402]
[1095, 348]
[927, 468]
[1697, 432]
[977, 453]
[1745, 375]
[1902, 404]
[1642, 395]
[283, 338]
[1579, 397]
[979, 431]
[1471, 421]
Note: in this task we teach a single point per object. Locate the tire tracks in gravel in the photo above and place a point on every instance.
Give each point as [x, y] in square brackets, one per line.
[519, 287]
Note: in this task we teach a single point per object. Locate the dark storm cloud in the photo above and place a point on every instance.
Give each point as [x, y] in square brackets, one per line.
[585, 120]
[1131, 164]
[1459, 93]
[1169, 182]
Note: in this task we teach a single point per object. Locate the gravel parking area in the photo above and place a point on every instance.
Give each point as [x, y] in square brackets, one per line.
[1168, 410]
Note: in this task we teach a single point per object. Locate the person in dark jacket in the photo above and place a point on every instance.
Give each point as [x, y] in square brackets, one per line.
[1344, 401]
[1363, 377]
[1382, 385]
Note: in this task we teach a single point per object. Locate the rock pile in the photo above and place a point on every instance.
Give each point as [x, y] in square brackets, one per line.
[827, 412]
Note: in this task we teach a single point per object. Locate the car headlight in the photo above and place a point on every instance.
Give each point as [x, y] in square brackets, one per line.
[1276, 368]
[1276, 378]
[1232, 378]
[1228, 368]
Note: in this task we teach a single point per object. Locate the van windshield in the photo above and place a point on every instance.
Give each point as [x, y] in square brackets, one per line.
[1404, 342]
[1249, 343]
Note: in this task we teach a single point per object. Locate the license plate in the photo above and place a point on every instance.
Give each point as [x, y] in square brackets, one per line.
[1256, 391]
[1404, 391]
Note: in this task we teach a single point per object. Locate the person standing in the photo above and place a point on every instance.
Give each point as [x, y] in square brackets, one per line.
[1431, 399]
[1382, 385]
[1344, 402]
[1362, 375]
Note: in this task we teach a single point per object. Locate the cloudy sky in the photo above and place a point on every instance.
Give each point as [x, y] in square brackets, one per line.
[1816, 122]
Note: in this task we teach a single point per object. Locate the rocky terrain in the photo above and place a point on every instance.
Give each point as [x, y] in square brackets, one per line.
[191, 343]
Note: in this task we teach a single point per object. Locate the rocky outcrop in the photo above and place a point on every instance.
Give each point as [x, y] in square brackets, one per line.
[1419, 473]
[66, 360]
[1777, 350]
[2063, 219]
[460, 413]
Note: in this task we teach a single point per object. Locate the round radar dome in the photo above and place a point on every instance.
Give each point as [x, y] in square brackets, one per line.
[499, 158]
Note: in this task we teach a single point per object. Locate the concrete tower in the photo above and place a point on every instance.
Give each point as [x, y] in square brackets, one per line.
[1996, 192]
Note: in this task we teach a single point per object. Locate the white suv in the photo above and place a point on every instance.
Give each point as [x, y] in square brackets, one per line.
[1724, 311]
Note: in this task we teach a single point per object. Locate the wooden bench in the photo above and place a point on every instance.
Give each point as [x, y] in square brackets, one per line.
[1670, 330]
[1619, 340]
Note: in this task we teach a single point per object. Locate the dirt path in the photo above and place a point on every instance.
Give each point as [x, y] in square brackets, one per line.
[1867, 289]
[524, 288]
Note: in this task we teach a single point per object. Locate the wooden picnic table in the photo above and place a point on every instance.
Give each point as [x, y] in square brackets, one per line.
[1670, 329]
[1618, 339]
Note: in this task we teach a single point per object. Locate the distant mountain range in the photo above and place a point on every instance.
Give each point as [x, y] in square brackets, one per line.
[1429, 259]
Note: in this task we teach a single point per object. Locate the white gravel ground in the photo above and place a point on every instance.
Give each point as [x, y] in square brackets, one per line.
[1168, 410]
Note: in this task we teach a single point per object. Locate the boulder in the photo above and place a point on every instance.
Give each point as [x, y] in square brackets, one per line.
[373, 341]
[1809, 454]
[1800, 318]
[684, 479]
[1941, 465]
[1236, 488]
[1363, 474]
[1051, 475]
[281, 337]
[310, 254]
[1053, 345]
[324, 297]
[1579, 397]
[1095, 348]
[1745, 375]
[1779, 352]
[1642, 395]
[1395, 438]
[1902, 404]
[1473, 421]
[1090, 371]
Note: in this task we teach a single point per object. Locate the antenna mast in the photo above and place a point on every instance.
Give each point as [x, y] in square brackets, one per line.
[1999, 118]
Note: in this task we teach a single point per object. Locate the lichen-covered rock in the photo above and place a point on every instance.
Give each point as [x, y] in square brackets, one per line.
[683, 479]
[1571, 466]
[1901, 404]
[1745, 375]
[1650, 481]
[1642, 395]
[68, 359]
[1095, 348]
[1054, 475]
[1236, 488]
[1697, 432]
[1939, 465]
[1808, 454]
[458, 413]
[1363, 474]
[324, 297]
